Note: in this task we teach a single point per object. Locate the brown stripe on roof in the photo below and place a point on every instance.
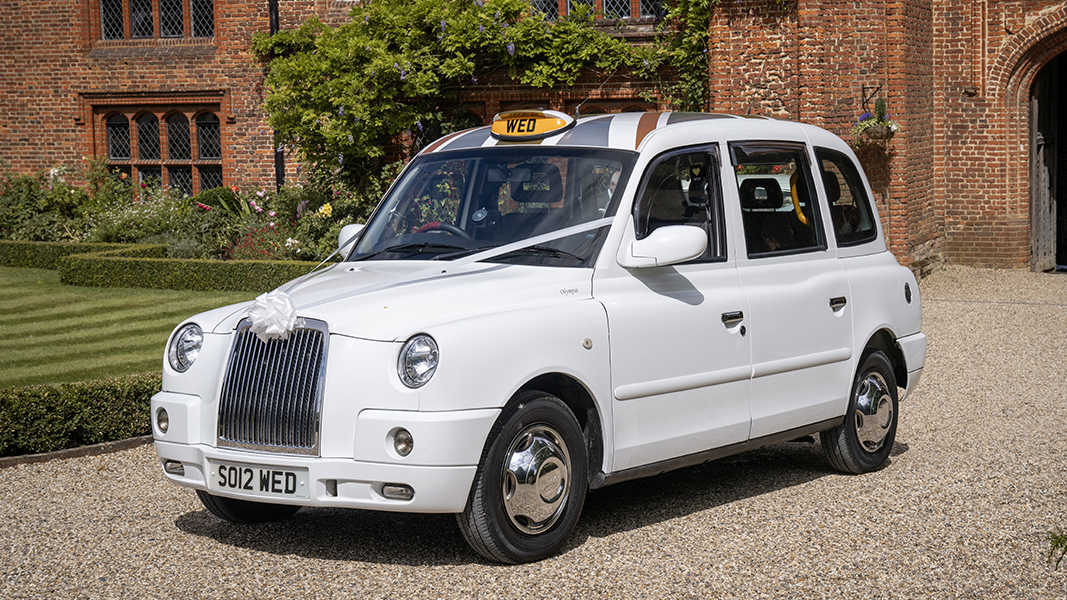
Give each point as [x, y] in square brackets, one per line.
[645, 126]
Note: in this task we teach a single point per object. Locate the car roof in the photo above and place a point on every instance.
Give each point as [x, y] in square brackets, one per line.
[623, 131]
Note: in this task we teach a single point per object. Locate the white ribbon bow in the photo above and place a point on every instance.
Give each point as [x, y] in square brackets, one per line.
[273, 316]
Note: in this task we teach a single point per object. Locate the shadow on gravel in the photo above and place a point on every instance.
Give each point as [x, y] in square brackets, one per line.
[417, 539]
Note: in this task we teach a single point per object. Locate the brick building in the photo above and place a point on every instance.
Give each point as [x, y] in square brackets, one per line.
[168, 89]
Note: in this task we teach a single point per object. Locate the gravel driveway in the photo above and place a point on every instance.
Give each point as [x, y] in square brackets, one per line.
[976, 482]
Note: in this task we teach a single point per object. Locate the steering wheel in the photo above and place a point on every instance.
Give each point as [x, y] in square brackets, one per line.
[446, 227]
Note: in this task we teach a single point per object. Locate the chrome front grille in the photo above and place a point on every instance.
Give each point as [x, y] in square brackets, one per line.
[272, 393]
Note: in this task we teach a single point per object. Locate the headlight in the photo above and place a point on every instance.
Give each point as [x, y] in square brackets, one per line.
[185, 347]
[418, 361]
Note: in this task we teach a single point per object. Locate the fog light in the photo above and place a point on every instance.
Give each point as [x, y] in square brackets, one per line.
[162, 420]
[396, 491]
[174, 468]
[403, 443]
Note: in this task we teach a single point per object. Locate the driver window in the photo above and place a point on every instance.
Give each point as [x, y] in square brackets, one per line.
[683, 189]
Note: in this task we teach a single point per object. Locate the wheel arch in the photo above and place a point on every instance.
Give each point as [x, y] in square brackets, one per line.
[884, 340]
[581, 403]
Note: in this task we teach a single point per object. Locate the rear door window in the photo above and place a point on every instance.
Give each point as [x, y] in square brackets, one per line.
[778, 201]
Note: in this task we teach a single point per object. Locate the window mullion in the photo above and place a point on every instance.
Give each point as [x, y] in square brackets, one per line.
[127, 21]
[187, 18]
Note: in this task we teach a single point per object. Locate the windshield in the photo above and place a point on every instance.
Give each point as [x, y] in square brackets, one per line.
[455, 204]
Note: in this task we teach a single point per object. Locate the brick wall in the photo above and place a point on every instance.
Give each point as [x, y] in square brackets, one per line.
[988, 54]
[954, 183]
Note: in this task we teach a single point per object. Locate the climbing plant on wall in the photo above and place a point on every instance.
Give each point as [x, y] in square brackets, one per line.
[338, 95]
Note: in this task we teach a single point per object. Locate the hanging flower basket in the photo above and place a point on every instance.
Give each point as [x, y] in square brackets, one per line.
[875, 129]
[878, 132]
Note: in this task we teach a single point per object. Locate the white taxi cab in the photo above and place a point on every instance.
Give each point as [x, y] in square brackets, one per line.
[546, 306]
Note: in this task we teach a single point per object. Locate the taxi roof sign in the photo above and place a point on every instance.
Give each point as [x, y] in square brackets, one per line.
[525, 125]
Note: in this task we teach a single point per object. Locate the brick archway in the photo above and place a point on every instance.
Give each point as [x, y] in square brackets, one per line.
[1010, 81]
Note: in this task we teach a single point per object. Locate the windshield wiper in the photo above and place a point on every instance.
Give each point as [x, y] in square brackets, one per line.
[545, 251]
[413, 249]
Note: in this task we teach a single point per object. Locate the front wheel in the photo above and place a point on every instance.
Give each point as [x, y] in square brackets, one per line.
[863, 441]
[244, 511]
[531, 484]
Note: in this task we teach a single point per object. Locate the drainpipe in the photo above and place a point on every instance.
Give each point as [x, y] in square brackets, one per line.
[279, 154]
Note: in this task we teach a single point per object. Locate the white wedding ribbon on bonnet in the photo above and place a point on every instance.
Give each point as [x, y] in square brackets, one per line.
[273, 316]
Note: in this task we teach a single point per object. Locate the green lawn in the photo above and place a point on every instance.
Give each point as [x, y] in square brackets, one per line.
[55, 333]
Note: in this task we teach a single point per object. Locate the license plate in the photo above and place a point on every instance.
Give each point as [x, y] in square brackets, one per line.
[259, 480]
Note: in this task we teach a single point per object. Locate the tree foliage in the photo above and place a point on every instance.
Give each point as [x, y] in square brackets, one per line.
[338, 95]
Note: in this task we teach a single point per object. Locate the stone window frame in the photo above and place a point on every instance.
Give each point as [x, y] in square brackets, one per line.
[192, 30]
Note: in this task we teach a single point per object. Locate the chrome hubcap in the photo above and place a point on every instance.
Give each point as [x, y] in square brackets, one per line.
[874, 412]
[537, 479]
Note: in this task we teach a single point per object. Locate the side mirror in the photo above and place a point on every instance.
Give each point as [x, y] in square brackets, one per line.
[668, 245]
[347, 238]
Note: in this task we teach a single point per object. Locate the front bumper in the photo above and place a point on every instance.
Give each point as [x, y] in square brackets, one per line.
[440, 470]
[337, 482]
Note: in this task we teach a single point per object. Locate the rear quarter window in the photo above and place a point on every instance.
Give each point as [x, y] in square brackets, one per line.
[846, 196]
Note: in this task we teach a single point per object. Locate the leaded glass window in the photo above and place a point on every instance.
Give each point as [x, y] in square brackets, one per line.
[111, 19]
[171, 19]
[181, 179]
[148, 137]
[150, 176]
[141, 18]
[616, 9]
[157, 150]
[203, 13]
[652, 8]
[573, 3]
[208, 136]
[550, 8]
[210, 178]
[178, 138]
[118, 138]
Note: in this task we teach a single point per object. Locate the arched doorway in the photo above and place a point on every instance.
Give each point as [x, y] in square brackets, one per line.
[1048, 166]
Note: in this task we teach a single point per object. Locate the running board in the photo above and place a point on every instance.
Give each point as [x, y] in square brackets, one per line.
[699, 458]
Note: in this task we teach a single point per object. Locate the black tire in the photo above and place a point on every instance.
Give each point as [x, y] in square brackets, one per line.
[244, 511]
[862, 443]
[508, 517]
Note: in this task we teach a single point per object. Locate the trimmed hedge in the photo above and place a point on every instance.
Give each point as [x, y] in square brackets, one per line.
[129, 267]
[44, 418]
[46, 255]
[146, 266]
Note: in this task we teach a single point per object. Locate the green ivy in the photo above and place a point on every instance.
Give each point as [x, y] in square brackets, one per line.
[339, 95]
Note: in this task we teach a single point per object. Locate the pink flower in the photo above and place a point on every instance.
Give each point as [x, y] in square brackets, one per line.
[271, 214]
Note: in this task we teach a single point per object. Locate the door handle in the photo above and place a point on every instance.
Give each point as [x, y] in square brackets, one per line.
[838, 302]
[730, 318]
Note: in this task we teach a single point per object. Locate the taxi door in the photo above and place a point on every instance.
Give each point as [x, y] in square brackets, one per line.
[800, 313]
[679, 357]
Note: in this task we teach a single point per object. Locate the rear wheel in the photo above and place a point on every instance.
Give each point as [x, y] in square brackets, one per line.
[531, 484]
[863, 441]
[244, 511]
